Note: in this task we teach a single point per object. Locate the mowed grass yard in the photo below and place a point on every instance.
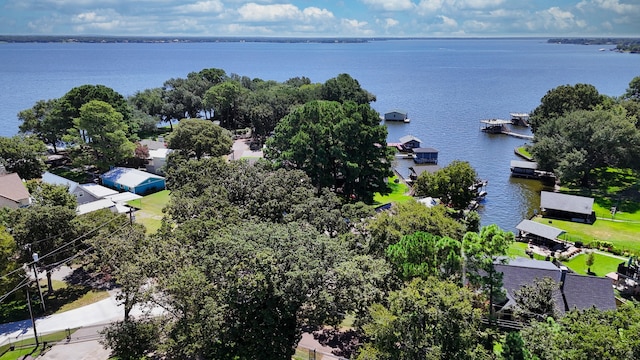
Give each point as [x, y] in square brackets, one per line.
[398, 193]
[602, 263]
[150, 213]
[623, 235]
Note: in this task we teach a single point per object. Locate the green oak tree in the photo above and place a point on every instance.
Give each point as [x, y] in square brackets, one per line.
[44, 194]
[340, 147]
[345, 88]
[428, 319]
[388, 227]
[562, 100]
[196, 138]
[23, 155]
[45, 121]
[453, 184]
[576, 144]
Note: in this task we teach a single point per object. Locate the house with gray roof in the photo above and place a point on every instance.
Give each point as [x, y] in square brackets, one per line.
[575, 291]
[567, 207]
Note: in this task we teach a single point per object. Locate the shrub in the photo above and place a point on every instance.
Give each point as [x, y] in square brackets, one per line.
[130, 340]
[578, 244]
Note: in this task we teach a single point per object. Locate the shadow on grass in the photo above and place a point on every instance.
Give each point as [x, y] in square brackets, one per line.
[79, 283]
[614, 187]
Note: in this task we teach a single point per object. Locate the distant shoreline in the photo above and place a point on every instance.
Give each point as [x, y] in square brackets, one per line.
[631, 45]
[97, 39]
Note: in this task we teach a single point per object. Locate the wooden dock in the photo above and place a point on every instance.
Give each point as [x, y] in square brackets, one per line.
[519, 136]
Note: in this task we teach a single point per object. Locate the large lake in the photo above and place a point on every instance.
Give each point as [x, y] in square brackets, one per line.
[446, 85]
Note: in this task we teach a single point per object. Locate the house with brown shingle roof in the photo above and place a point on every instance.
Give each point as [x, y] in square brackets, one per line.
[13, 192]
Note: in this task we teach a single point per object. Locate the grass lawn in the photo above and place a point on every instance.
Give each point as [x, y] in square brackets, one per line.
[623, 235]
[524, 150]
[517, 249]
[397, 195]
[602, 264]
[150, 213]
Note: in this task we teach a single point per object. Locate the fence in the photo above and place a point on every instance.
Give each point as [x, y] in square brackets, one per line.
[26, 340]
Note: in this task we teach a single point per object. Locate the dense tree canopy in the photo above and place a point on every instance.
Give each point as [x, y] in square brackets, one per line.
[23, 155]
[429, 319]
[424, 255]
[235, 293]
[45, 121]
[453, 184]
[388, 228]
[577, 143]
[345, 88]
[193, 137]
[104, 131]
[340, 147]
[587, 334]
[562, 100]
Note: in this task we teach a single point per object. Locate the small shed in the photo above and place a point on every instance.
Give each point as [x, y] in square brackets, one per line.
[396, 115]
[564, 206]
[410, 142]
[524, 169]
[133, 180]
[425, 156]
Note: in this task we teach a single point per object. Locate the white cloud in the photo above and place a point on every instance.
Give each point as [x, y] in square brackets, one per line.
[390, 5]
[477, 4]
[555, 19]
[317, 13]
[202, 7]
[389, 23]
[253, 12]
[96, 17]
[276, 12]
[448, 22]
[429, 6]
[355, 27]
[611, 5]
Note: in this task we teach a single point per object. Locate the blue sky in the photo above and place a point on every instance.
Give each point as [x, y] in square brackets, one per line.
[305, 18]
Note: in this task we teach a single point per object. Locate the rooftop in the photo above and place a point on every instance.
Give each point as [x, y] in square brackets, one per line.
[564, 202]
[12, 188]
[129, 177]
[542, 230]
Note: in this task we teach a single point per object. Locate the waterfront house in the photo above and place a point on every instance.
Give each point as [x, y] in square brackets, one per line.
[13, 192]
[396, 115]
[425, 156]
[133, 180]
[575, 292]
[567, 207]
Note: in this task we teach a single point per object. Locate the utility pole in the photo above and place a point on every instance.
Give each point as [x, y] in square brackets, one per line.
[33, 321]
[35, 272]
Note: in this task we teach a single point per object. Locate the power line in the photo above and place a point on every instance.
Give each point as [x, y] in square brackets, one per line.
[26, 281]
[65, 245]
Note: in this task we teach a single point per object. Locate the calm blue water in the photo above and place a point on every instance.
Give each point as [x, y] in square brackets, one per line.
[445, 85]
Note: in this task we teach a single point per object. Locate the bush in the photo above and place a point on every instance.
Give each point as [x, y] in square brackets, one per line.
[578, 244]
[130, 340]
